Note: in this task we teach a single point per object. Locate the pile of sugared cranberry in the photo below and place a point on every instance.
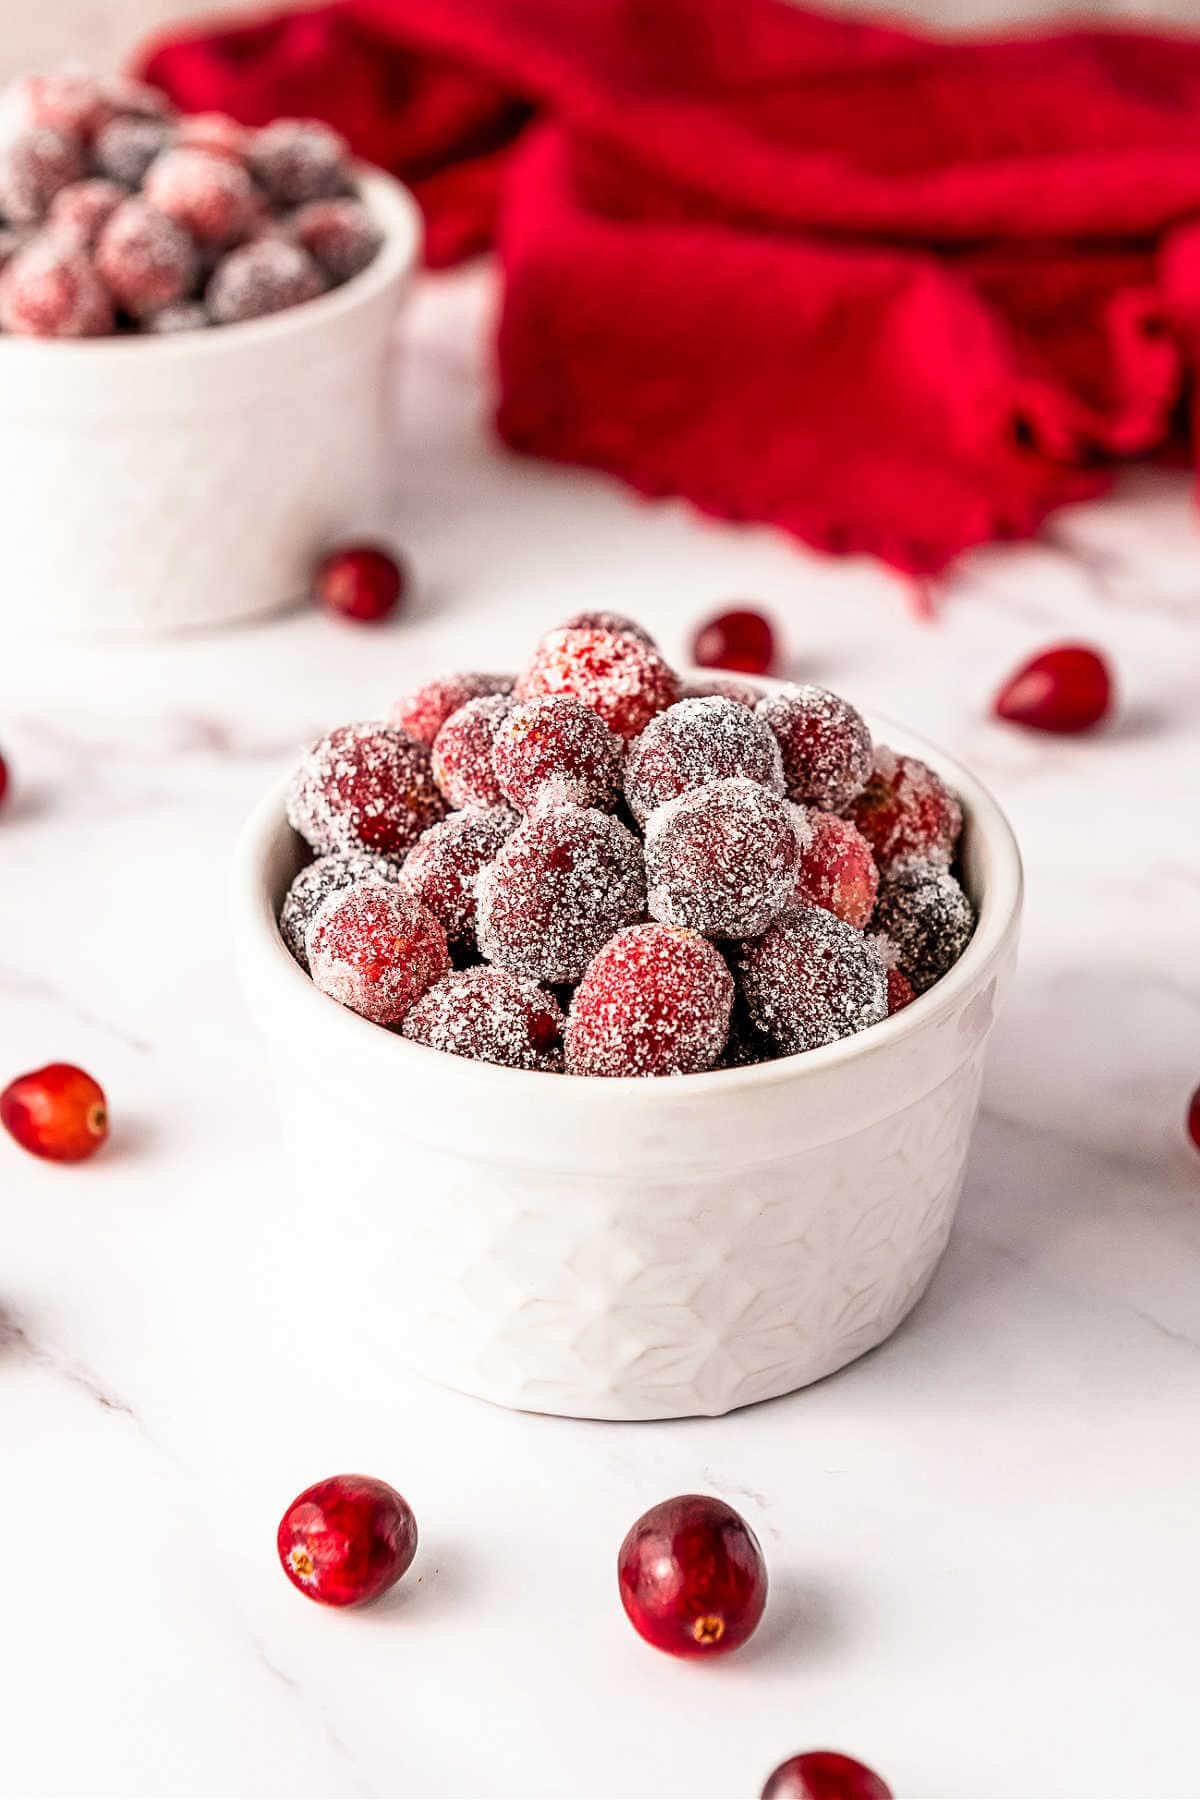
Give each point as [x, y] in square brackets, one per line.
[118, 215]
[598, 868]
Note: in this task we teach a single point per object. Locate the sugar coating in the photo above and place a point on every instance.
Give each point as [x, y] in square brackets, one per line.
[209, 196]
[462, 752]
[49, 289]
[182, 315]
[811, 979]
[145, 259]
[723, 687]
[316, 882]
[490, 1016]
[837, 869]
[620, 677]
[926, 918]
[562, 884]
[721, 859]
[907, 810]
[655, 1000]
[603, 620]
[555, 750]
[81, 210]
[299, 159]
[825, 743]
[375, 949]
[339, 235]
[259, 278]
[125, 148]
[36, 164]
[444, 866]
[746, 1044]
[423, 712]
[364, 786]
[696, 742]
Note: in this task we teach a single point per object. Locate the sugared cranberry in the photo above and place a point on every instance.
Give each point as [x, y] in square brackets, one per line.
[1193, 1118]
[824, 1775]
[555, 750]
[339, 235]
[926, 918]
[811, 979]
[360, 581]
[655, 1000]
[82, 210]
[696, 742]
[608, 621]
[621, 678]
[836, 869]
[740, 640]
[126, 147]
[145, 259]
[209, 196]
[723, 687]
[423, 713]
[214, 133]
[564, 882]
[69, 100]
[746, 1045]
[462, 752]
[906, 810]
[375, 949]
[364, 787]
[1065, 689]
[299, 159]
[490, 1015]
[34, 166]
[899, 992]
[260, 278]
[444, 866]
[314, 885]
[825, 744]
[692, 1577]
[124, 94]
[721, 859]
[50, 290]
[346, 1540]
[57, 1112]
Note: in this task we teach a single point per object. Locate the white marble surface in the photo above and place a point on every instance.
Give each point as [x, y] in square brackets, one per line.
[982, 1538]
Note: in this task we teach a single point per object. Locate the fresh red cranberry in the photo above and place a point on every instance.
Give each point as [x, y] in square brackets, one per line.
[263, 277]
[900, 992]
[824, 1775]
[721, 858]
[692, 1577]
[299, 159]
[693, 743]
[811, 979]
[491, 1016]
[837, 869]
[423, 713]
[145, 259]
[618, 676]
[51, 290]
[462, 752]
[340, 236]
[825, 744]
[656, 1000]
[556, 750]
[209, 196]
[375, 949]
[346, 1540]
[741, 640]
[1193, 1118]
[1065, 689]
[57, 1112]
[906, 810]
[360, 581]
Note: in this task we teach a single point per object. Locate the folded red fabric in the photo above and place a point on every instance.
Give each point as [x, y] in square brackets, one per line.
[892, 294]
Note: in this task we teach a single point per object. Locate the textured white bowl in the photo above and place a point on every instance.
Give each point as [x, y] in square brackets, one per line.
[629, 1249]
[154, 485]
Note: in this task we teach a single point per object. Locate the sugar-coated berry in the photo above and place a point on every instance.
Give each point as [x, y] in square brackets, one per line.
[375, 949]
[462, 752]
[263, 277]
[346, 1540]
[35, 165]
[692, 1577]
[339, 235]
[1065, 689]
[721, 859]
[423, 712]
[811, 979]
[603, 620]
[563, 883]
[490, 1015]
[620, 677]
[145, 259]
[181, 315]
[82, 210]
[926, 918]
[213, 132]
[741, 640]
[364, 787]
[906, 810]
[209, 196]
[316, 882]
[825, 743]
[360, 581]
[746, 1044]
[58, 1113]
[299, 159]
[444, 867]
[50, 290]
[556, 750]
[126, 147]
[69, 99]
[125, 94]
[696, 742]
[899, 992]
[837, 869]
[723, 687]
[656, 1000]
[824, 1775]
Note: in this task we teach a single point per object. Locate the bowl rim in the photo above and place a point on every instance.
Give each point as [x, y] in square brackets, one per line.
[999, 910]
[393, 207]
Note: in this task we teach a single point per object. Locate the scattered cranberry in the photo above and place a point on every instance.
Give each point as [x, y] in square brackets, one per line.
[926, 919]
[51, 290]
[360, 581]
[260, 278]
[692, 1577]
[739, 640]
[825, 744]
[346, 1540]
[145, 259]
[423, 713]
[462, 752]
[444, 866]
[1065, 689]
[557, 750]
[836, 869]
[214, 133]
[721, 859]
[3, 779]
[375, 949]
[57, 1112]
[609, 621]
[656, 1000]
[316, 882]
[126, 147]
[811, 979]
[209, 196]
[1193, 1118]
[906, 810]
[618, 676]
[723, 687]
[490, 1016]
[82, 210]
[339, 235]
[693, 743]
[299, 159]
[364, 787]
[824, 1775]
[900, 992]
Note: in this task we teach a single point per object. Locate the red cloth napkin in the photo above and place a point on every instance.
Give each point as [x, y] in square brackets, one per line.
[893, 294]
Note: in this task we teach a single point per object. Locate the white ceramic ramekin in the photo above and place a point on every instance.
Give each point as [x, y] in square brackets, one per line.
[630, 1249]
[154, 485]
